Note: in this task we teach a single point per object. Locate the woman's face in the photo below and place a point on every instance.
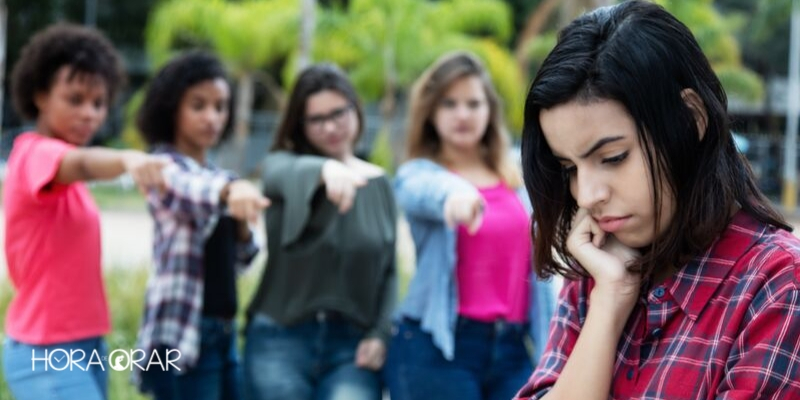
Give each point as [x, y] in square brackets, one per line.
[331, 124]
[598, 147]
[74, 107]
[462, 114]
[202, 114]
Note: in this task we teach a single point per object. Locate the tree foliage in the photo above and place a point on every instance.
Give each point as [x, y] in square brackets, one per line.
[716, 34]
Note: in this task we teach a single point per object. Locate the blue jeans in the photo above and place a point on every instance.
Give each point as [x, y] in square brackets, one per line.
[313, 360]
[491, 362]
[61, 375]
[214, 377]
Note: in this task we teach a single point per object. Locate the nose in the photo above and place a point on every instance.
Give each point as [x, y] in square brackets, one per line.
[329, 125]
[589, 189]
[463, 111]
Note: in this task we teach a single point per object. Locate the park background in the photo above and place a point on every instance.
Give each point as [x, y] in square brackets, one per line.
[383, 45]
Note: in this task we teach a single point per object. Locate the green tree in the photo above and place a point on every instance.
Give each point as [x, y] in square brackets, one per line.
[385, 46]
[765, 42]
[250, 36]
[715, 32]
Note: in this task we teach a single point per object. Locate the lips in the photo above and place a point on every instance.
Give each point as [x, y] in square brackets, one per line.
[612, 224]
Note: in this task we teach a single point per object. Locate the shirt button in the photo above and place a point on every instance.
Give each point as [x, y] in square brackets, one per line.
[659, 292]
[656, 333]
[629, 375]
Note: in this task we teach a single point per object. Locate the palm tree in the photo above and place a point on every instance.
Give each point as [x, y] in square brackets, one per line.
[248, 36]
[714, 32]
[385, 45]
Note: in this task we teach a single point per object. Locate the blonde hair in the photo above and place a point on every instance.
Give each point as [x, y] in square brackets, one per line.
[424, 141]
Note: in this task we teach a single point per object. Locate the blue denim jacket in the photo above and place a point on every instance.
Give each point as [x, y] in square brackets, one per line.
[421, 187]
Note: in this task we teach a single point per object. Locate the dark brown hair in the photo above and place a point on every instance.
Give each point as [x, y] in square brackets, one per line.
[314, 79]
[639, 55]
[158, 115]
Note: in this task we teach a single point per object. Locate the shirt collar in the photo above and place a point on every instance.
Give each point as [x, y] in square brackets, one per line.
[694, 285]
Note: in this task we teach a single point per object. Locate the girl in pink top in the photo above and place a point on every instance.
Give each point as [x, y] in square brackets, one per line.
[469, 307]
[64, 80]
[494, 263]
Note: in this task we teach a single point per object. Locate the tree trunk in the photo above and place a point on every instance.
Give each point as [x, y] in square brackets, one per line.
[243, 113]
[3, 40]
[307, 24]
[389, 100]
[533, 26]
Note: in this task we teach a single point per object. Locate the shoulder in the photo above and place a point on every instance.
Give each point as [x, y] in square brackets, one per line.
[423, 164]
[779, 253]
[30, 140]
[772, 264]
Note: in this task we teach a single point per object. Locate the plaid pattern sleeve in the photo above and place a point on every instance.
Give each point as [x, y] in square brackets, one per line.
[726, 326]
[184, 215]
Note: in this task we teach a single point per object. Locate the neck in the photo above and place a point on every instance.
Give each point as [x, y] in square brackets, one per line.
[43, 130]
[344, 158]
[458, 158]
[198, 154]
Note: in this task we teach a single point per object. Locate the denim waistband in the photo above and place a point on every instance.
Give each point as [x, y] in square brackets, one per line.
[496, 327]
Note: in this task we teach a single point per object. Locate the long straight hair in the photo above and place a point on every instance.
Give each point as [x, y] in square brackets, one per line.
[291, 134]
[427, 92]
[639, 55]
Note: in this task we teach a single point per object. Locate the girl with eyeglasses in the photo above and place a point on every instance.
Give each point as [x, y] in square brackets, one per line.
[320, 318]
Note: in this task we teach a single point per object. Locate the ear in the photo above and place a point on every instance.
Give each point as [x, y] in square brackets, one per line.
[40, 100]
[695, 103]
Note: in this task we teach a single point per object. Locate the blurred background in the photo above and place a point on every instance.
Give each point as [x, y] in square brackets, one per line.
[384, 45]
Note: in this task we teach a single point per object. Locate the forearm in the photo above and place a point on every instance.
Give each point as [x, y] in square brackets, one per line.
[588, 372]
[194, 194]
[86, 164]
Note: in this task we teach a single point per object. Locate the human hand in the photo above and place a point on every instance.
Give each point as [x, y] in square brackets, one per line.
[604, 257]
[245, 202]
[371, 354]
[145, 170]
[341, 184]
[466, 209]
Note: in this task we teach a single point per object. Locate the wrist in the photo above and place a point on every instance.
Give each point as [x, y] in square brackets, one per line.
[616, 302]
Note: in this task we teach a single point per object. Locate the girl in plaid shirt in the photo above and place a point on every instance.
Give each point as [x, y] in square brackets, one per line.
[682, 279]
[202, 235]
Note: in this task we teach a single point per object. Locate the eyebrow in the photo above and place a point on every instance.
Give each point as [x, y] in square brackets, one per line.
[329, 113]
[600, 143]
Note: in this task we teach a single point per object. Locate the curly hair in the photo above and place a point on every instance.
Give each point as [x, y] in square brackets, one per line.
[157, 116]
[84, 50]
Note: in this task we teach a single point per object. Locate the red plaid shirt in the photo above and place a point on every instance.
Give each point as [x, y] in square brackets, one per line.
[727, 326]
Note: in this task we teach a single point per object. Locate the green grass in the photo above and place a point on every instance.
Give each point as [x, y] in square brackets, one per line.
[125, 288]
[113, 197]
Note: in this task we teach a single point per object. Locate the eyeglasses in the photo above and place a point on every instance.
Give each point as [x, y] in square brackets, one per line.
[316, 123]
